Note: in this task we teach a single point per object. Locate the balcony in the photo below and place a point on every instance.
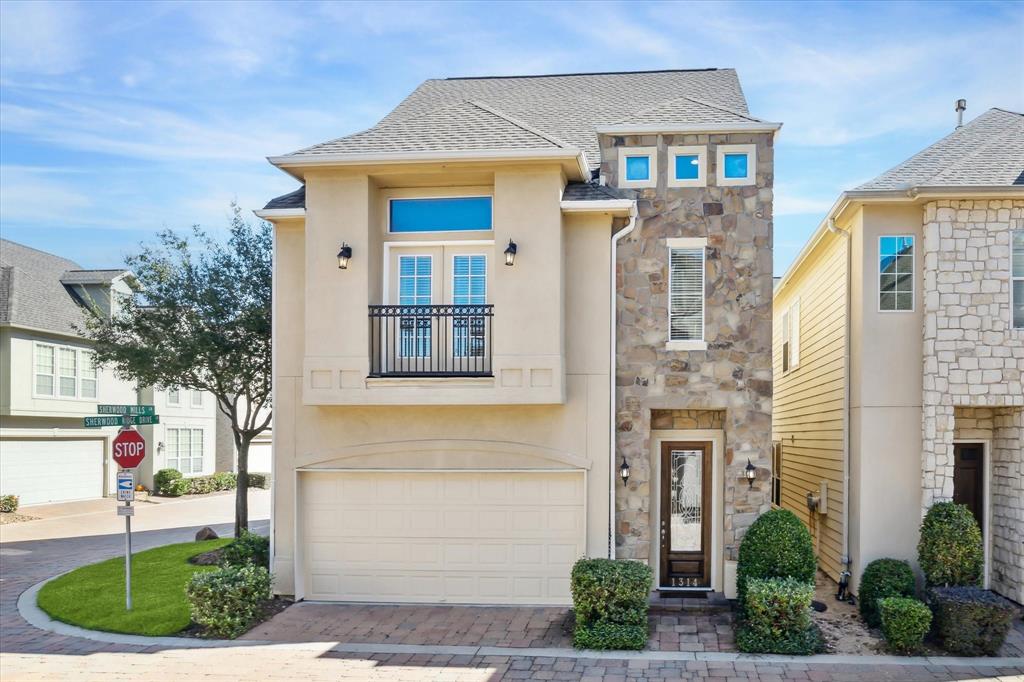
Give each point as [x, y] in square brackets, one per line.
[430, 341]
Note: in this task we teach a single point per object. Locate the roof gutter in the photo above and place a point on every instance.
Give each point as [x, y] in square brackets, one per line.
[619, 207]
[674, 128]
[279, 213]
[294, 162]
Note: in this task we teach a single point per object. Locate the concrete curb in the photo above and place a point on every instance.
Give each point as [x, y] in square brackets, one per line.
[38, 618]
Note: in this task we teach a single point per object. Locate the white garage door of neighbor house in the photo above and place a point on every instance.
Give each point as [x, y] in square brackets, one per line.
[259, 456]
[456, 537]
[41, 471]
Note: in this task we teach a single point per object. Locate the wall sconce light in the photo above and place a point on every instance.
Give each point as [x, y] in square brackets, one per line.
[510, 253]
[160, 448]
[624, 471]
[343, 256]
[750, 473]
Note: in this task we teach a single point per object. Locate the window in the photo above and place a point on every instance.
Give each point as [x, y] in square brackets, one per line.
[185, 450]
[638, 166]
[791, 337]
[64, 372]
[197, 398]
[1017, 279]
[444, 214]
[895, 273]
[777, 473]
[686, 293]
[173, 396]
[737, 164]
[688, 166]
[469, 287]
[415, 282]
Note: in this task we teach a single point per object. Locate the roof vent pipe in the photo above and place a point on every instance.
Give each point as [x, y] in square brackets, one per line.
[961, 105]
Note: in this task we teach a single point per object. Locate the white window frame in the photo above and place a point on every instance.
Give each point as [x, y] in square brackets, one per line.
[193, 434]
[791, 337]
[196, 399]
[487, 274]
[751, 151]
[387, 217]
[651, 153]
[688, 243]
[56, 375]
[1013, 278]
[878, 274]
[176, 392]
[701, 153]
[398, 297]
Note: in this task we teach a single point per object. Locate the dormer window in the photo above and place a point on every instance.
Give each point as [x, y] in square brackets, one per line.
[737, 165]
[638, 166]
[687, 166]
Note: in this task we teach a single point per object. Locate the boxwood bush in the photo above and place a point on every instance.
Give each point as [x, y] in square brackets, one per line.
[777, 545]
[777, 618]
[259, 479]
[224, 480]
[883, 578]
[8, 503]
[249, 548]
[610, 600]
[950, 550]
[970, 621]
[905, 622]
[228, 601]
[164, 483]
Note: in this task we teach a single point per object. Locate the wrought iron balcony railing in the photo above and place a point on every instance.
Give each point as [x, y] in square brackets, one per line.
[430, 340]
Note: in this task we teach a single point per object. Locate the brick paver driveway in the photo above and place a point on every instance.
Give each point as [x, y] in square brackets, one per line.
[30, 654]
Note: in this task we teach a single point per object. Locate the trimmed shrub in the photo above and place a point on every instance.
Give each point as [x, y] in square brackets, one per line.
[610, 600]
[228, 601]
[178, 487]
[778, 618]
[950, 551]
[250, 548]
[259, 480]
[201, 485]
[777, 545]
[970, 621]
[163, 482]
[883, 578]
[8, 503]
[224, 480]
[905, 622]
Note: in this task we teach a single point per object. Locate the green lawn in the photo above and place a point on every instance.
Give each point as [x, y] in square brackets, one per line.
[93, 596]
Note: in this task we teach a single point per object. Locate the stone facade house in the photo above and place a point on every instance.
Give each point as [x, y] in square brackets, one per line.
[519, 321]
[899, 354]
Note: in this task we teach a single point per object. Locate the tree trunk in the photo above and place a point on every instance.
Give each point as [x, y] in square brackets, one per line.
[242, 488]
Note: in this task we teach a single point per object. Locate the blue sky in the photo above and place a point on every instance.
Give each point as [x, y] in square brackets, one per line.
[119, 119]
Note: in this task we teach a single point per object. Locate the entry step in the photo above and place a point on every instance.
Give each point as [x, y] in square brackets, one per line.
[690, 602]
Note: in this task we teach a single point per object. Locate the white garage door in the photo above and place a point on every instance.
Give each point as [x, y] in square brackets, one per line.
[259, 456]
[41, 471]
[457, 537]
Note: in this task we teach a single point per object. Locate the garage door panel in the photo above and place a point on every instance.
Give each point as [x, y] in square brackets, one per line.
[43, 471]
[470, 537]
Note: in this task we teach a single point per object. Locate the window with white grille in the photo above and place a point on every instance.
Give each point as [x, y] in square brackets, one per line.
[791, 337]
[64, 372]
[185, 450]
[686, 293]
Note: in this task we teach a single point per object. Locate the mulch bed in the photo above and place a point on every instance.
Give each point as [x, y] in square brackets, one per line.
[270, 609]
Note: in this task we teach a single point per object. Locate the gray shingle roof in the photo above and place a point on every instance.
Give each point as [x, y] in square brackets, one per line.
[687, 110]
[591, 191]
[988, 151]
[542, 112]
[32, 293]
[296, 199]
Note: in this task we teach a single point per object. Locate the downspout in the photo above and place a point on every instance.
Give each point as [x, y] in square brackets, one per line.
[613, 324]
[846, 559]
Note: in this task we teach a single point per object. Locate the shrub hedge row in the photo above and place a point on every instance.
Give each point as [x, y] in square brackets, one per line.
[610, 601]
[170, 482]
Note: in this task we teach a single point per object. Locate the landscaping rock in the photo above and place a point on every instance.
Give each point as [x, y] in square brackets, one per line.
[206, 534]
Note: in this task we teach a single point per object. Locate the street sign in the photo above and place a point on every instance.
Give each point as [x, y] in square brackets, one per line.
[128, 420]
[125, 486]
[129, 449]
[147, 410]
[126, 511]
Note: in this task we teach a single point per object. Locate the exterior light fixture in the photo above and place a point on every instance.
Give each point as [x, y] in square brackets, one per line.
[160, 447]
[624, 470]
[343, 256]
[510, 253]
[750, 473]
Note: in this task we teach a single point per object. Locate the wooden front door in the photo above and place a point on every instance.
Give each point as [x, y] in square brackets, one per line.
[969, 478]
[685, 524]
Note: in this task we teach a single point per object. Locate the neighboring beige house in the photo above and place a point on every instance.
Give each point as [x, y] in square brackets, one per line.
[488, 304]
[48, 383]
[260, 449]
[899, 352]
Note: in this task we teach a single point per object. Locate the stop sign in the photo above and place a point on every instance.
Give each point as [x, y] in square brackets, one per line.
[129, 449]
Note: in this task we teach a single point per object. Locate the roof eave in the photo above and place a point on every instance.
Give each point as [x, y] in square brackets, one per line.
[295, 164]
[682, 128]
[616, 207]
[273, 214]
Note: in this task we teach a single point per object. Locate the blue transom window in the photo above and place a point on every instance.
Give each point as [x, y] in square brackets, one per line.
[736, 165]
[687, 167]
[444, 214]
[638, 168]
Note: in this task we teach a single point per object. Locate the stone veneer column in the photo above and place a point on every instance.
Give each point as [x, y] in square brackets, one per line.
[1006, 492]
[972, 356]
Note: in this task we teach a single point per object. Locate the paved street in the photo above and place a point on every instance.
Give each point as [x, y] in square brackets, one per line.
[324, 650]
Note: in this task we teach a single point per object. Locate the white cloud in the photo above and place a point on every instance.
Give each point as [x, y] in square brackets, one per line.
[32, 194]
[41, 38]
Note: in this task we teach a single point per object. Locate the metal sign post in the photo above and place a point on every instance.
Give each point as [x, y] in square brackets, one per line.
[126, 493]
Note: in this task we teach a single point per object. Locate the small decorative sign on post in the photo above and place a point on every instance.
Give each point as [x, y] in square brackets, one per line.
[125, 486]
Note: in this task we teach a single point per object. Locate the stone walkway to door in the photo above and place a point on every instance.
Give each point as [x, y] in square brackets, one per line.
[522, 627]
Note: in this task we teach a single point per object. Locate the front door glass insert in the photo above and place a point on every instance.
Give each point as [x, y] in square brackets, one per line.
[686, 499]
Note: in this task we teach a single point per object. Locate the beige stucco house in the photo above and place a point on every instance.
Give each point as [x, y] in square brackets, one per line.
[49, 382]
[488, 304]
[899, 354]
